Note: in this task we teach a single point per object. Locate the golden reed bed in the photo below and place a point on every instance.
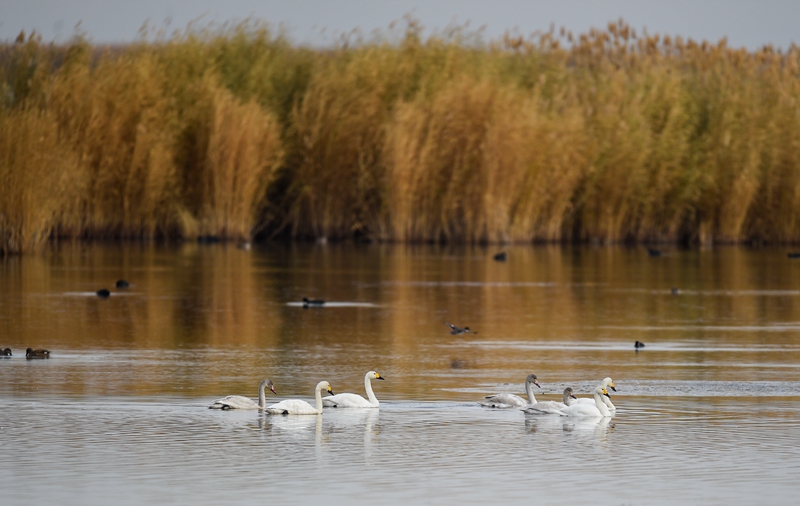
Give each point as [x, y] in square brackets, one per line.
[235, 131]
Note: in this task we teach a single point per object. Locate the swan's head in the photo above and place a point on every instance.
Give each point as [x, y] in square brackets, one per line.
[268, 384]
[608, 382]
[532, 379]
[375, 376]
[324, 385]
[601, 391]
[569, 392]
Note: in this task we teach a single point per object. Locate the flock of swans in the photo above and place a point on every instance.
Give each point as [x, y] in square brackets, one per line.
[598, 406]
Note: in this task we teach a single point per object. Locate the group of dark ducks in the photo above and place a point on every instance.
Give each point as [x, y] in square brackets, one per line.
[105, 293]
[30, 353]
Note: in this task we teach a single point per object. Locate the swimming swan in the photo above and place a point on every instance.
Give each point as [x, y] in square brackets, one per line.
[511, 400]
[583, 410]
[551, 407]
[606, 383]
[242, 402]
[298, 407]
[355, 400]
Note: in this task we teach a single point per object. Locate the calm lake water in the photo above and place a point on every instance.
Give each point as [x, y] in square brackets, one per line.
[707, 413]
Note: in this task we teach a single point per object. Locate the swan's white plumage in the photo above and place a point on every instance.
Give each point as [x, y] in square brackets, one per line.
[606, 383]
[511, 400]
[299, 407]
[347, 400]
[242, 402]
[582, 410]
[551, 407]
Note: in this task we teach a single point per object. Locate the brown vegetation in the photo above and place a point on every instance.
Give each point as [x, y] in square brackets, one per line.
[233, 132]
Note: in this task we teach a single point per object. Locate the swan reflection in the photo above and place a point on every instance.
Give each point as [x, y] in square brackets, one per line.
[593, 428]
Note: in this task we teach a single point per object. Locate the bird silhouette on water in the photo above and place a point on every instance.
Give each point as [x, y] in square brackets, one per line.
[459, 330]
[313, 302]
[30, 353]
[638, 344]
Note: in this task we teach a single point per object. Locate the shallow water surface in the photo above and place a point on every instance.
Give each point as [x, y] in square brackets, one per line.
[707, 411]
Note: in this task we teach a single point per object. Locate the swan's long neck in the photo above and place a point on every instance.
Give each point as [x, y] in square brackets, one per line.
[370, 394]
[529, 389]
[262, 395]
[567, 400]
[607, 400]
[598, 401]
[318, 396]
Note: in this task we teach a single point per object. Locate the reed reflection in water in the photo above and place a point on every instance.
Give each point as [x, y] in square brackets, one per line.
[707, 412]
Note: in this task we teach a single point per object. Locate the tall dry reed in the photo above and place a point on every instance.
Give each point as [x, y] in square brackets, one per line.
[231, 131]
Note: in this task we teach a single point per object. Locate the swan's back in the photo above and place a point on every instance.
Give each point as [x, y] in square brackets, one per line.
[545, 408]
[347, 400]
[503, 401]
[292, 407]
[234, 402]
[582, 410]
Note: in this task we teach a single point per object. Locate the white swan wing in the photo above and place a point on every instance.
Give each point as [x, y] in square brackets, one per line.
[347, 400]
[234, 402]
[291, 407]
[503, 401]
[545, 408]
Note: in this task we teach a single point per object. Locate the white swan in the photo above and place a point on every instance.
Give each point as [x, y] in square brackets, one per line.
[354, 400]
[298, 407]
[511, 400]
[551, 407]
[606, 383]
[242, 402]
[583, 410]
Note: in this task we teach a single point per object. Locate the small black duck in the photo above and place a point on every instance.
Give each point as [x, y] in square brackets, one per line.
[30, 353]
[458, 330]
[313, 302]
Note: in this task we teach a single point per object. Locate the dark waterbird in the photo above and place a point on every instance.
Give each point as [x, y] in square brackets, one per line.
[654, 252]
[122, 284]
[313, 302]
[458, 330]
[6, 353]
[30, 353]
[675, 290]
[103, 293]
[794, 254]
[501, 257]
[637, 345]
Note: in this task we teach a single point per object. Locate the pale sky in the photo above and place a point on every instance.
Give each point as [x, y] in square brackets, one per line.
[748, 23]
